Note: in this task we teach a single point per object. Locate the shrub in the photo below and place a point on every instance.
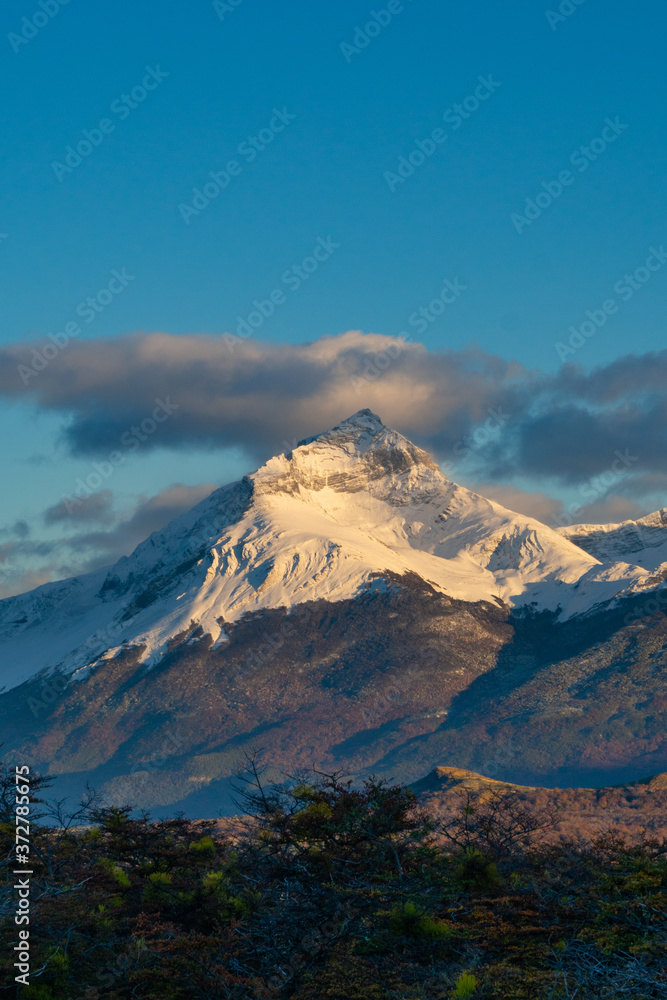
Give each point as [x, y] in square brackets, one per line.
[476, 870]
[335, 892]
[408, 921]
[205, 845]
[465, 986]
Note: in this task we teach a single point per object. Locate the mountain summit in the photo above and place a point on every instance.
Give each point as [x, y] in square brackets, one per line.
[346, 606]
[346, 512]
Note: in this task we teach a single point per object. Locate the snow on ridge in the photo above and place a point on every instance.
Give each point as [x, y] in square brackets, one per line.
[323, 521]
[642, 541]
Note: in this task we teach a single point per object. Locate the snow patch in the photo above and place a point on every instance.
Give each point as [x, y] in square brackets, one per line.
[335, 518]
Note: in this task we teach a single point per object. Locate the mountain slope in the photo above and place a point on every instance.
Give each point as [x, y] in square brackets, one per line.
[643, 541]
[632, 810]
[392, 682]
[327, 521]
[349, 606]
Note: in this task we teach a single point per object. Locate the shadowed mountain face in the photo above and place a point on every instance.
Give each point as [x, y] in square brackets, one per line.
[394, 683]
[348, 606]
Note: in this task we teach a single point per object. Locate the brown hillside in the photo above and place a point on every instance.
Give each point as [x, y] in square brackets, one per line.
[629, 810]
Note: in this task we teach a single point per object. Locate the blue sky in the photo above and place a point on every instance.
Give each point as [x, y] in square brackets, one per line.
[342, 120]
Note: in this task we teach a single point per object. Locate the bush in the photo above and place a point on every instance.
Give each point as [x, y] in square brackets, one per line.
[476, 870]
[335, 892]
[408, 921]
[465, 986]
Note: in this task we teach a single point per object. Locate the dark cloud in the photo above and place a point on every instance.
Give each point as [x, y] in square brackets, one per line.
[100, 548]
[635, 375]
[94, 509]
[256, 394]
[534, 504]
[261, 396]
[26, 564]
[9, 551]
[573, 442]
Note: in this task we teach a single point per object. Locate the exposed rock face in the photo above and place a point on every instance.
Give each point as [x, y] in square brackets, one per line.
[346, 605]
[325, 522]
[643, 541]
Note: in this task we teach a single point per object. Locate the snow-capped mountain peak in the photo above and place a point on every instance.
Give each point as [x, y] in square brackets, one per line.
[358, 454]
[344, 511]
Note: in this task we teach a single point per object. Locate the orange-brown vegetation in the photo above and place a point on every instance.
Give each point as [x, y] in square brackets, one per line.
[631, 811]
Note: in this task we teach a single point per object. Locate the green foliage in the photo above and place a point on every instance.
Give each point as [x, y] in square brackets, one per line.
[465, 986]
[338, 893]
[58, 962]
[205, 845]
[117, 873]
[476, 870]
[115, 819]
[38, 991]
[159, 886]
[408, 921]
